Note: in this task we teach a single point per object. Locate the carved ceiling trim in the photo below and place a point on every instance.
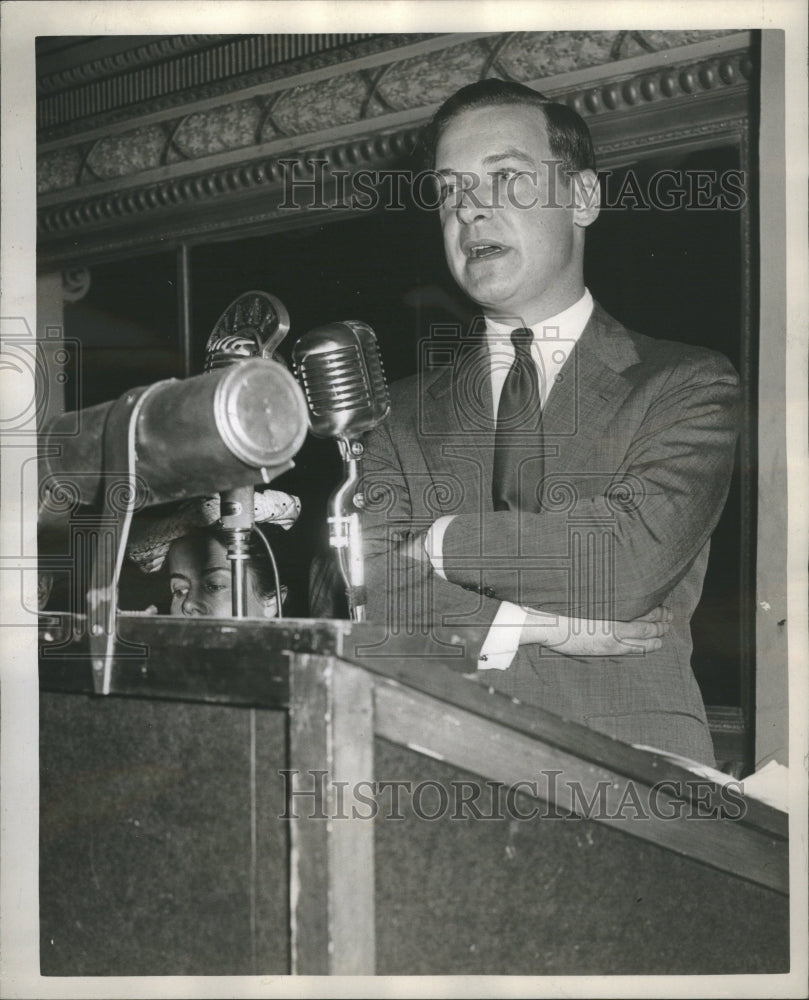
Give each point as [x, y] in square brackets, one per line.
[425, 69]
[159, 49]
[183, 69]
[695, 134]
[163, 199]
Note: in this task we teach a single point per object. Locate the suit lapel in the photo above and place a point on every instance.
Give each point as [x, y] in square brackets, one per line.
[593, 386]
[460, 434]
[458, 425]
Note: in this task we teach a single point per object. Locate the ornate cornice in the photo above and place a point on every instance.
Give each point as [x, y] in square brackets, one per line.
[168, 70]
[137, 57]
[678, 81]
[355, 96]
[187, 68]
[241, 178]
[706, 96]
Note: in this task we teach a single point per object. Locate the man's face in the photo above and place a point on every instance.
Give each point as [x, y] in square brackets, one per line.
[512, 252]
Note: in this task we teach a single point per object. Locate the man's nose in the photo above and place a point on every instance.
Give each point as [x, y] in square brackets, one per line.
[474, 205]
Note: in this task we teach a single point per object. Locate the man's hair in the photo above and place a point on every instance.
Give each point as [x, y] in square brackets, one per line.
[568, 135]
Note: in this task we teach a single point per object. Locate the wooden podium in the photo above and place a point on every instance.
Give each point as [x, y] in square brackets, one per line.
[319, 797]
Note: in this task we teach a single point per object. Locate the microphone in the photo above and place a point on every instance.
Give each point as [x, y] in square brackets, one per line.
[342, 377]
[237, 426]
[341, 373]
[252, 326]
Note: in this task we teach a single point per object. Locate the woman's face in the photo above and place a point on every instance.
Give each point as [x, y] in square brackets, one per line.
[199, 574]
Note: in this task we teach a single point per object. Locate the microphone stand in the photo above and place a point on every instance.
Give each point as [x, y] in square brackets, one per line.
[236, 515]
[341, 373]
[345, 532]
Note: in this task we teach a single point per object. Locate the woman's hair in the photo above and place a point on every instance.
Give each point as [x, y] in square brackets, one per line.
[568, 135]
[258, 562]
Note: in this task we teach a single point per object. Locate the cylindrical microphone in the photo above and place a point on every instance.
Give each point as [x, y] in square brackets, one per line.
[342, 377]
[232, 427]
[344, 383]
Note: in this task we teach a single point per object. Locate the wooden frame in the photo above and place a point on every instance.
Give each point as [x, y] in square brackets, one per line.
[339, 696]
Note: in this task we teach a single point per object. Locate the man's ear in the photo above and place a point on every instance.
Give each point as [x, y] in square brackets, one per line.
[585, 192]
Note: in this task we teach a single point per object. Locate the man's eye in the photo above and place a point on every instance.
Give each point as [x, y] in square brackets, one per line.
[446, 191]
[452, 186]
[504, 173]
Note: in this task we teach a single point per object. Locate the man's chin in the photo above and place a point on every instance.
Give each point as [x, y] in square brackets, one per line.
[491, 294]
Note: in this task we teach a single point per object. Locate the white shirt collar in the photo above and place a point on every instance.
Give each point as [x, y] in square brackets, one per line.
[554, 339]
[565, 325]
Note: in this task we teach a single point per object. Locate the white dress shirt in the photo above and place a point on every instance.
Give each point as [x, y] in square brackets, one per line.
[554, 339]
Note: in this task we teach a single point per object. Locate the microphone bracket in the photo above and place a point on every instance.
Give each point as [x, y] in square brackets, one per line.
[345, 530]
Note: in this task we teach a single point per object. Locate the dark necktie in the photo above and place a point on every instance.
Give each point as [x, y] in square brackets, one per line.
[515, 442]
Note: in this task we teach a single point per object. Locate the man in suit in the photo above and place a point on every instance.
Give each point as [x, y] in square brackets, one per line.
[547, 485]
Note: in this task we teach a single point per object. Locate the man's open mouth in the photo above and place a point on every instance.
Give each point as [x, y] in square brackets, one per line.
[480, 251]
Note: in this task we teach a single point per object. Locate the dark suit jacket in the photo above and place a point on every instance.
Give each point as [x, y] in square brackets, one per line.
[631, 468]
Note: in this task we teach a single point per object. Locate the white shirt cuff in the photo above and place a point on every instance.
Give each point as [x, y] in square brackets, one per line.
[503, 639]
[434, 543]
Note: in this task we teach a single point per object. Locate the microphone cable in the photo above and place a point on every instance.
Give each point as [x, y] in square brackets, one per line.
[130, 496]
[274, 564]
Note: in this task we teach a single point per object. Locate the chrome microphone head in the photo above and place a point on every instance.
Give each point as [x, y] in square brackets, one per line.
[341, 373]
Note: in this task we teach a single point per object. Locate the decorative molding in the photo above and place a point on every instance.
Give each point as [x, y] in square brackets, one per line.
[226, 63]
[270, 172]
[735, 125]
[412, 80]
[204, 173]
[149, 145]
[75, 283]
[351, 97]
[137, 57]
[676, 81]
[177, 69]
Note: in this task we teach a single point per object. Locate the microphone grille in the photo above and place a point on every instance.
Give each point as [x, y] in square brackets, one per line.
[379, 385]
[332, 380]
[229, 349]
[342, 378]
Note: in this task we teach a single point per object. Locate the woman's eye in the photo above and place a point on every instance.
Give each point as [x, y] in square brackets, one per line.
[216, 586]
[178, 592]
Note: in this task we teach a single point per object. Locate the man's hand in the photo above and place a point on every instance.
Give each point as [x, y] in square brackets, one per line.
[588, 637]
[575, 636]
